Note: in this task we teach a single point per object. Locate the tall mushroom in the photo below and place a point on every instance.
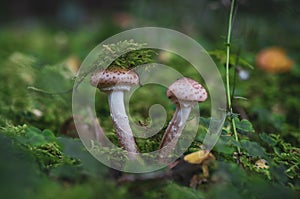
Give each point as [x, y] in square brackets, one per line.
[115, 82]
[185, 93]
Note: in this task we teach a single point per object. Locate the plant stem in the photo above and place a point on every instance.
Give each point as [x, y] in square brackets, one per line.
[227, 72]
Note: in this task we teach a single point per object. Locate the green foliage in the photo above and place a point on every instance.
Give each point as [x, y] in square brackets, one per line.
[239, 183]
[90, 190]
[124, 54]
[244, 126]
[220, 55]
[19, 105]
[39, 164]
[42, 145]
[252, 148]
[53, 154]
[283, 153]
[175, 191]
[17, 171]
[65, 158]
[147, 145]
[282, 159]
[20, 172]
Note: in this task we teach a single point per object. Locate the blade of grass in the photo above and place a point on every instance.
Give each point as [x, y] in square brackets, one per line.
[227, 71]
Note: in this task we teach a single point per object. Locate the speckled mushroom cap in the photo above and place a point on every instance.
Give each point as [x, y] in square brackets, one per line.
[186, 89]
[116, 79]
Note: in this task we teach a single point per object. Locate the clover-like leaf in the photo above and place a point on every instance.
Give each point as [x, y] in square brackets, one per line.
[244, 126]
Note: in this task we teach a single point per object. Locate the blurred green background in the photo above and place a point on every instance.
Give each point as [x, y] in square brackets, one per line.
[42, 44]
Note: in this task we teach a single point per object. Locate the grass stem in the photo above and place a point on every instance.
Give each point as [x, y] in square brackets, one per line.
[227, 71]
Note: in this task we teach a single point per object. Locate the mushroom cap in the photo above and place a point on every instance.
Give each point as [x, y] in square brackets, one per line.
[186, 89]
[274, 60]
[115, 79]
[199, 156]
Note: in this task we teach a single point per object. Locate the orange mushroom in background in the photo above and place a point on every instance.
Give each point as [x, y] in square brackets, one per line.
[274, 60]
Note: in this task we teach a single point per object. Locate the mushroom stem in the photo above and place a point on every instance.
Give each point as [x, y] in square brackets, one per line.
[121, 122]
[167, 136]
[175, 128]
[185, 109]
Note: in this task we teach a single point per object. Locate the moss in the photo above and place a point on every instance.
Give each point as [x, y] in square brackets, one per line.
[124, 54]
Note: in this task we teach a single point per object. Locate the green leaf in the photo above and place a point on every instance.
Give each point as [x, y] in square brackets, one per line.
[34, 136]
[226, 145]
[175, 191]
[244, 126]
[18, 171]
[267, 139]
[75, 149]
[221, 56]
[49, 135]
[240, 97]
[253, 148]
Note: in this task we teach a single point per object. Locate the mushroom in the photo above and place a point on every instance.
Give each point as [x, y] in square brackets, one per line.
[203, 158]
[115, 82]
[185, 93]
[199, 157]
[262, 164]
[274, 60]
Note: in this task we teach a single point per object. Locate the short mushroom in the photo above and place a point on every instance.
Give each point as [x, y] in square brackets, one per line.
[185, 93]
[115, 82]
[262, 164]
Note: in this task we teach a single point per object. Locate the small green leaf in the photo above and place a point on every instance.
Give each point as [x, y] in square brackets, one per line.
[267, 139]
[253, 148]
[175, 191]
[226, 145]
[49, 135]
[34, 136]
[221, 56]
[244, 126]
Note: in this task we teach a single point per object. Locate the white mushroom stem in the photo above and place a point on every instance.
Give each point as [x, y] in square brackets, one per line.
[175, 128]
[121, 122]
